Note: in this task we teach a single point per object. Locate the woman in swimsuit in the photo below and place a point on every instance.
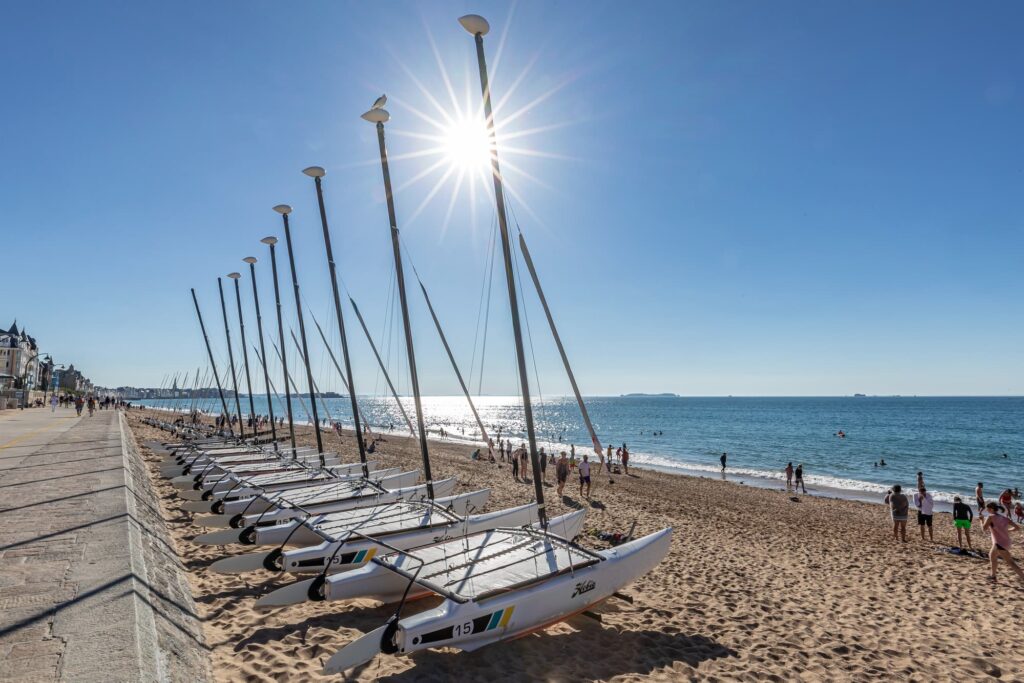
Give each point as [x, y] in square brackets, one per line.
[1000, 527]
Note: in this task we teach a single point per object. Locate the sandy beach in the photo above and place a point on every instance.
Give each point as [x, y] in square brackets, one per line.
[757, 586]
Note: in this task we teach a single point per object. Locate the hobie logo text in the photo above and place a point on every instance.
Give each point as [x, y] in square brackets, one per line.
[583, 587]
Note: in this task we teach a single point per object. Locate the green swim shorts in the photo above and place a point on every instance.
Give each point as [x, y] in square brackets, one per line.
[962, 523]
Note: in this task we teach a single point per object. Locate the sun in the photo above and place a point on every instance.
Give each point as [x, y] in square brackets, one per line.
[466, 144]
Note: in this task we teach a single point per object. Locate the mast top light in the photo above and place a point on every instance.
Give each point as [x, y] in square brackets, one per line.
[283, 209]
[234, 276]
[269, 240]
[315, 171]
[250, 259]
[475, 24]
[377, 116]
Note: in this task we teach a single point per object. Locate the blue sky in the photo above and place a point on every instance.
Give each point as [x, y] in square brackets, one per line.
[721, 198]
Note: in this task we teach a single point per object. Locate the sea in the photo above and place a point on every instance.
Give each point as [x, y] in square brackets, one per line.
[955, 441]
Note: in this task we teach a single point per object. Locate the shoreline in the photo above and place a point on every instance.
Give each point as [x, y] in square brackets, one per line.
[756, 478]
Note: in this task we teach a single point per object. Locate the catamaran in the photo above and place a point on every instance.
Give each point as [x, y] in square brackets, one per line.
[503, 582]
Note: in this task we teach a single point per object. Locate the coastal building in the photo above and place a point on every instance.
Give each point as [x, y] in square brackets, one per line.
[19, 359]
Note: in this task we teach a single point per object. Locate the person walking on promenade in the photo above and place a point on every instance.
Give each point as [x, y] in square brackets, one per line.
[899, 506]
[79, 404]
[789, 477]
[999, 527]
[799, 474]
[53, 403]
[925, 506]
[962, 518]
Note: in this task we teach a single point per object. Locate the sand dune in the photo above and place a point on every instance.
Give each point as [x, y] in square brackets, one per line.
[756, 587]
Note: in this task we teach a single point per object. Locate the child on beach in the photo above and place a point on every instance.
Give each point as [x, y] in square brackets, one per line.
[1018, 512]
[999, 527]
[789, 477]
[899, 506]
[962, 517]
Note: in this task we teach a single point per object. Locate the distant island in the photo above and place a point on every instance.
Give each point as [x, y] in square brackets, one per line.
[666, 395]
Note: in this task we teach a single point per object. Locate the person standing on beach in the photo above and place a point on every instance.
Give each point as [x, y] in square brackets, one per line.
[562, 473]
[899, 506]
[724, 457]
[625, 459]
[962, 518]
[920, 481]
[524, 460]
[585, 475]
[799, 478]
[543, 465]
[515, 466]
[979, 496]
[789, 477]
[925, 507]
[999, 527]
[1006, 500]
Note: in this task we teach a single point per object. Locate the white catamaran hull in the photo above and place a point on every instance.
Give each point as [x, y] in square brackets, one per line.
[300, 533]
[443, 487]
[377, 582]
[471, 625]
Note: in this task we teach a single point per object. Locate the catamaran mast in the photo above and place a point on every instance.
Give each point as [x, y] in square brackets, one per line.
[383, 369]
[231, 360]
[284, 210]
[213, 364]
[271, 241]
[561, 349]
[478, 27]
[334, 360]
[251, 260]
[378, 115]
[317, 173]
[245, 352]
[455, 366]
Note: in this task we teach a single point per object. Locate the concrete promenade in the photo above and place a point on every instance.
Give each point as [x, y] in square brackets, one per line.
[90, 589]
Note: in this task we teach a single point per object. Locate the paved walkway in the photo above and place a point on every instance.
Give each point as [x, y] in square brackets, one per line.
[76, 539]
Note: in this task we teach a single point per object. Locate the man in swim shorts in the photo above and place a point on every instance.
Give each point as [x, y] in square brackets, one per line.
[962, 517]
[585, 475]
[925, 508]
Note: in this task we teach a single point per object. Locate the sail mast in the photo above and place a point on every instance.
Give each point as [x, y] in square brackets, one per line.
[383, 369]
[251, 260]
[455, 366]
[284, 210]
[317, 174]
[378, 116]
[478, 26]
[245, 351]
[231, 360]
[213, 364]
[334, 360]
[561, 349]
[271, 241]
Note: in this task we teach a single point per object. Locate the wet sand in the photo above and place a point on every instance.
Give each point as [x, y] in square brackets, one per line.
[757, 586]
